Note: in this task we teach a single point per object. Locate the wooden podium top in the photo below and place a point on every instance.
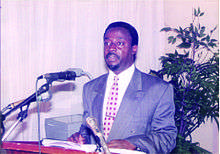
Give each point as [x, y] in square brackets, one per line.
[13, 147]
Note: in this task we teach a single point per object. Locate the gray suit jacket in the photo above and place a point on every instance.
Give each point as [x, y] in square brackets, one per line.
[145, 117]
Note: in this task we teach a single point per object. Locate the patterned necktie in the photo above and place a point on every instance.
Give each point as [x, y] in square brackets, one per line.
[111, 107]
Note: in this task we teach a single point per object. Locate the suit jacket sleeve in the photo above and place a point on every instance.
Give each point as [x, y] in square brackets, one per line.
[162, 136]
[84, 130]
[90, 111]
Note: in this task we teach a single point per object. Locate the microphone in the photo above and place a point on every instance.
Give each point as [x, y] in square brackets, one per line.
[93, 125]
[69, 74]
[12, 105]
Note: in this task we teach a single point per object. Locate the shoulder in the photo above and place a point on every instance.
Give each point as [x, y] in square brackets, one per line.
[146, 76]
[97, 81]
[149, 80]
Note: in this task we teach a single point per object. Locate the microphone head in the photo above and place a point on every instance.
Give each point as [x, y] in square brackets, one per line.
[79, 72]
[69, 74]
[61, 76]
[92, 124]
[91, 121]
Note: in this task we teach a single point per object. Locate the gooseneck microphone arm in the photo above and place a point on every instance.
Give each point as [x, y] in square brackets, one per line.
[28, 100]
[23, 113]
[93, 126]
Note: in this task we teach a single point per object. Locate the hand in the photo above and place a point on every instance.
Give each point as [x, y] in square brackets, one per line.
[77, 138]
[121, 144]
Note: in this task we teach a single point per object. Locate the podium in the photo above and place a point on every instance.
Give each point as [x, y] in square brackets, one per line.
[24, 147]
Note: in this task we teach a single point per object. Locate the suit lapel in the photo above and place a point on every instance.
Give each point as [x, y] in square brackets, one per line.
[129, 104]
[98, 99]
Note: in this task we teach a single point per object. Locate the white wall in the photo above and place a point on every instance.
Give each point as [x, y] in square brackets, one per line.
[41, 36]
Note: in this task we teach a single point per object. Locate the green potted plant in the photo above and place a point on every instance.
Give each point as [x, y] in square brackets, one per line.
[193, 70]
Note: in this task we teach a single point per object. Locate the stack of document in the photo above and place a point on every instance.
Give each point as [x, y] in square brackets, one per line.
[83, 147]
[69, 145]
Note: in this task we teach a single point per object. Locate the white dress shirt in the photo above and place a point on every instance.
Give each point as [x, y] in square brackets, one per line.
[124, 80]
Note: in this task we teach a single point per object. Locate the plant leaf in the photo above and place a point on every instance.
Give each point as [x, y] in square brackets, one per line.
[195, 13]
[184, 45]
[199, 10]
[166, 29]
[201, 14]
[174, 40]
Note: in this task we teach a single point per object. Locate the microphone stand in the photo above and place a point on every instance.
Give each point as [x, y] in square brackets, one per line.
[23, 113]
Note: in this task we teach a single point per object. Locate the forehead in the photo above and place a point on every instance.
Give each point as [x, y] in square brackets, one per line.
[118, 32]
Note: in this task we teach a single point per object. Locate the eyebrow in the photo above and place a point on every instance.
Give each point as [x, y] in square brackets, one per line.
[117, 38]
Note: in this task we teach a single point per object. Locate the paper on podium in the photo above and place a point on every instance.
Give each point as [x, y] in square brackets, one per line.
[83, 147]
[125, 151]
[69, 145]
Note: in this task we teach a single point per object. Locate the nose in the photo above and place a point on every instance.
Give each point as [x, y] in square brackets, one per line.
[112, 47]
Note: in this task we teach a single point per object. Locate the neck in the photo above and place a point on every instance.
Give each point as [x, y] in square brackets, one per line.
[118, 71]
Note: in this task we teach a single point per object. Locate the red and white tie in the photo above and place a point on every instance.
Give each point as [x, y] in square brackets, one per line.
[111, 108]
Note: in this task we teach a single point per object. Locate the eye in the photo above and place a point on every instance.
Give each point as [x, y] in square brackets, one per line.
[120, 44]
[106, 43]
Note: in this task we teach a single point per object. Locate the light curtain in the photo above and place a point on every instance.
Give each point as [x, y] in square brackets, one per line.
[42, 36]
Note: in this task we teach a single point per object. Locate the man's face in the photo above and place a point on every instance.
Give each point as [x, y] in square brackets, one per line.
[118, 52]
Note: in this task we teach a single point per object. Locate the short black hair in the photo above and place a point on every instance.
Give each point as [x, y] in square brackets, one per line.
[132, 31]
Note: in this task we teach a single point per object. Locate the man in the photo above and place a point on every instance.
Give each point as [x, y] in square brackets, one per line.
[141, 114]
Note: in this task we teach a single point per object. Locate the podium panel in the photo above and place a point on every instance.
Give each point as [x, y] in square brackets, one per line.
[60, 128]
[24, 147]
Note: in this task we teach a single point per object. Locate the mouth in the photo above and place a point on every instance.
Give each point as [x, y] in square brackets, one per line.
[111, 57]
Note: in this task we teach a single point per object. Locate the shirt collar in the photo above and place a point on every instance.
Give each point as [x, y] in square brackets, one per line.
[124, 74]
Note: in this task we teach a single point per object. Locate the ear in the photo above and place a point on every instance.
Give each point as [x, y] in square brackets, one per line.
[134, 49]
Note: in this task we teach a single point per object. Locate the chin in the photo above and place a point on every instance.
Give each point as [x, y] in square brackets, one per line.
[113, 67]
